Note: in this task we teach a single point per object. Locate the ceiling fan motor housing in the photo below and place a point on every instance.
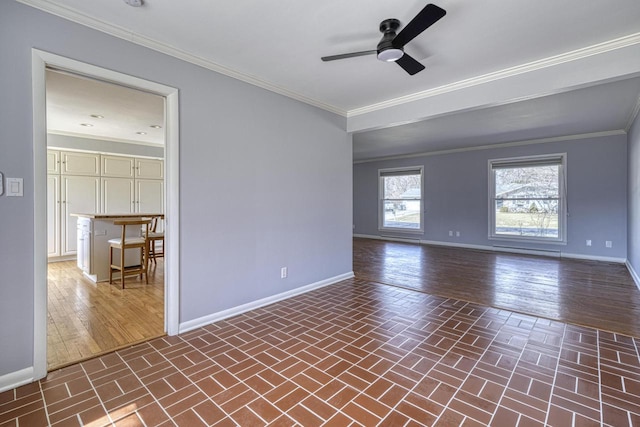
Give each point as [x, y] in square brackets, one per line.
[386, 50]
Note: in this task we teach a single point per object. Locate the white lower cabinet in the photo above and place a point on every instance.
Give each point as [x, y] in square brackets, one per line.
[80, 194]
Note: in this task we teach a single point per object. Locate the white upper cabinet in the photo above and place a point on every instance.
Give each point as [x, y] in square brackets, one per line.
[80, 163]
[53, 162]
[149, 169]
[117, 166]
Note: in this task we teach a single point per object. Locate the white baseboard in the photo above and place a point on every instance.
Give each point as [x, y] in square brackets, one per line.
[16, 379]
[593, 258]
[633, 273]
[221, 315]
[554, 254]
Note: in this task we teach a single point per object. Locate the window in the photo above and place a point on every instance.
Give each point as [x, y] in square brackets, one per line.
[527, 198]
[400, 204]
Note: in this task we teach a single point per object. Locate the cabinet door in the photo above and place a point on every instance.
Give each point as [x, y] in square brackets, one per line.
[118, 195]
[118, 166]
[53, 161]
[149, 169]
[80, 163]
[80, 194]
[149, 196]
[53, 215]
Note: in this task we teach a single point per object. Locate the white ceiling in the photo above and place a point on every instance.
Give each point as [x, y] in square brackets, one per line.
[126, 114]
[496, 70]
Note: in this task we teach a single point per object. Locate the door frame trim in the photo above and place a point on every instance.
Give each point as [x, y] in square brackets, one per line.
[40, 61]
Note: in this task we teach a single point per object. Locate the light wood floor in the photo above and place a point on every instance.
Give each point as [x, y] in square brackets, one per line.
[86, 319]
[589, 293]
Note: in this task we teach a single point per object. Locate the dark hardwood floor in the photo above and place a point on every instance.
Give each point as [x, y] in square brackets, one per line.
[589, 293]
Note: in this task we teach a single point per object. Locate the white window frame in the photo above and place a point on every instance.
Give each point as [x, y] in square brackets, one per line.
[381, 173]
[556, 158]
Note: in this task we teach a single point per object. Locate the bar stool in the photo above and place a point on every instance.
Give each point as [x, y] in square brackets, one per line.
[130, 242]
[156, 236]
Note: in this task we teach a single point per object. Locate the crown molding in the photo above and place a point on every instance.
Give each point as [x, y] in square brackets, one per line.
[600, 48]
[122, 33]
[498, 145]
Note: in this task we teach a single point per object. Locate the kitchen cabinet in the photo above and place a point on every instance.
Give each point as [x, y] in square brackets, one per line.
[53, 216]
[149, 195]
[118, 195]
[79, 194]
[79, 182]
[118, 166]
[122, 195]
[149, 169]
[53, 162]
[74, 163]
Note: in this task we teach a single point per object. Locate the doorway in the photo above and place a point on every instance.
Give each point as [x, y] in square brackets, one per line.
[41, 61]
[105, 155]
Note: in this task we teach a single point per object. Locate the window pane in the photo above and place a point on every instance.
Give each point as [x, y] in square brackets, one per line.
[401, 187]
[527, 182]
[401, 199]
[402, 214]
[531, 218]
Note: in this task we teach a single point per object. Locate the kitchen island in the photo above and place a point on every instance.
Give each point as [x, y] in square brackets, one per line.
[94, 233]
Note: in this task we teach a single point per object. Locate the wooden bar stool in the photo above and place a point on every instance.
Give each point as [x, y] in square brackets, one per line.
[156, 236]
[128, 242]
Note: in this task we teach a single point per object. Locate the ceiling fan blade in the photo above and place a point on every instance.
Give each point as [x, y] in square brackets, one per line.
[423, 20]
[348, 55]
[409, 64]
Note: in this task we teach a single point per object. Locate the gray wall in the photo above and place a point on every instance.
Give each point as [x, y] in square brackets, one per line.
[633, 232]
[265, 181]
[102, 146]
[456, 195]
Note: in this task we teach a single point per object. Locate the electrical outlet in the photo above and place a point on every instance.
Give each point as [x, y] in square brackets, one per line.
[588, 242]
[608, 244]
[457, 234]
[450, 233]
[283, 273]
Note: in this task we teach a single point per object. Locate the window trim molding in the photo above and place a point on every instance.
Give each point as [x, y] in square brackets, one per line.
[381, 227]
[562, 201]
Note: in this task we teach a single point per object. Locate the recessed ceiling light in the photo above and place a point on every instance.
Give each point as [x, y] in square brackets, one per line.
[141, 133]
[134, 3]
[156, 126]
[97, 116]
[89, 125]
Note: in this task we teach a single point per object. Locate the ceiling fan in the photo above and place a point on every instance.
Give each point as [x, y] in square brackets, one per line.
[391, 46]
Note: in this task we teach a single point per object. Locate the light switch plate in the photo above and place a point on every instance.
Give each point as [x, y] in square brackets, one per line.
[14, 187]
